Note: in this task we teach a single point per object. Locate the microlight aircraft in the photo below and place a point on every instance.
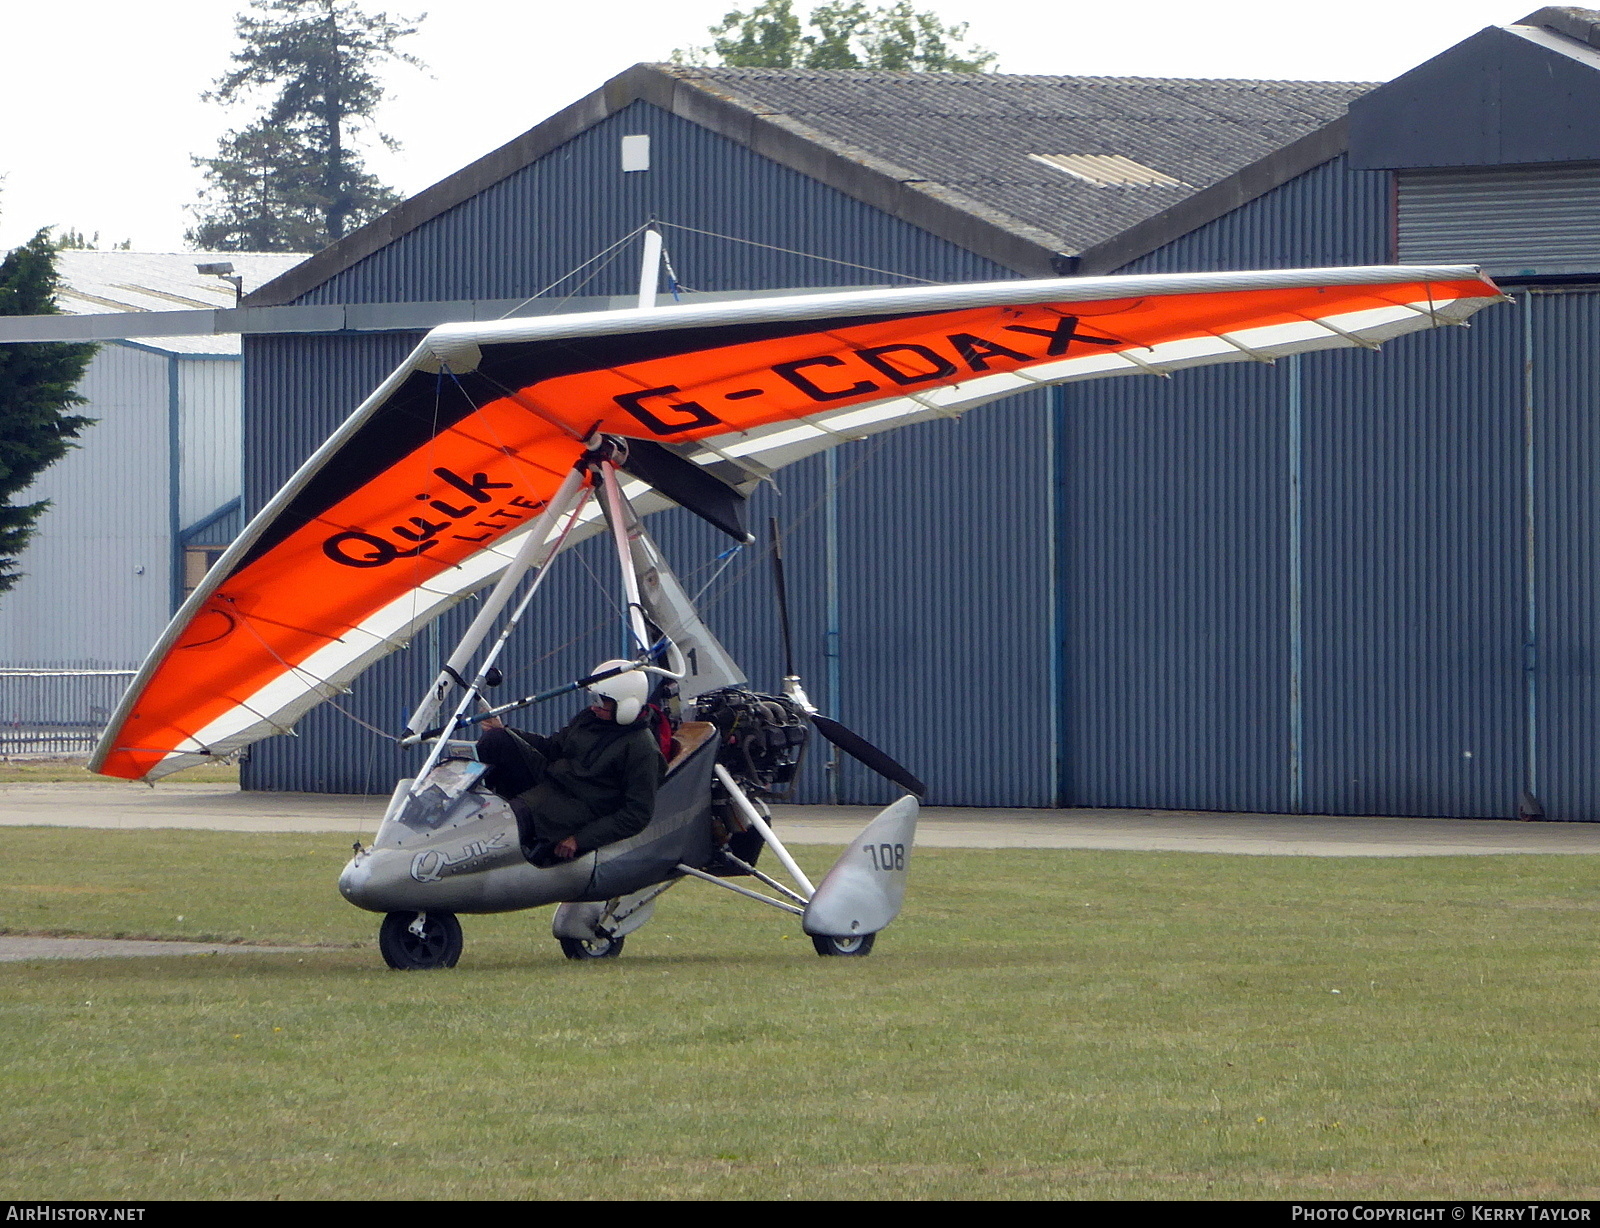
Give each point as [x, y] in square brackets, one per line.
[497, 445]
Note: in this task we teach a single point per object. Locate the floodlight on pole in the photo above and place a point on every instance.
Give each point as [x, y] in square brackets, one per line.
[223, 269]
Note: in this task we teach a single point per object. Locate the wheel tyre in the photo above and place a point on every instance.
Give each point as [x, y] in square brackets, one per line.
[591, 948]
[438, 946]
[861, 944]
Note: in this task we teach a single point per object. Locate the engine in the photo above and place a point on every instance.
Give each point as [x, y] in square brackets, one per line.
[762, 738]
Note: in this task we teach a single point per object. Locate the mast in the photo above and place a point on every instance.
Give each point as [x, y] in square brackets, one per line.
[618, 517]
[535, 554]
[610, 485]
[650, 267]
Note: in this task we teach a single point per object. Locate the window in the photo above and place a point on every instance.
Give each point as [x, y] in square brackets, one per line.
[197, 560]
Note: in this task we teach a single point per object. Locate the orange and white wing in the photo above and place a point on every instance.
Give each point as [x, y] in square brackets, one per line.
[420, 498]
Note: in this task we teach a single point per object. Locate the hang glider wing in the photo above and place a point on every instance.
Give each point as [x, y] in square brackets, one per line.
[417, 500]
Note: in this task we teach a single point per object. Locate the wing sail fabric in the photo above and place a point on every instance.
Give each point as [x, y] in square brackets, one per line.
[418, 499]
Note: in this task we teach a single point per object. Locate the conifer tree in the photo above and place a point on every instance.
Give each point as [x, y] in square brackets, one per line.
[839, 34]
[74, 240]
[36, 396]
[293, 180]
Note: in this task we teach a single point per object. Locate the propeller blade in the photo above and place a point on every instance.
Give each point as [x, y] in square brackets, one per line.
[857, 747]
[783, 596]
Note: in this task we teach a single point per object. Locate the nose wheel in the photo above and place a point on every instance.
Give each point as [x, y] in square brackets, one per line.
[591, 948]
[858, 945]
[413, 941]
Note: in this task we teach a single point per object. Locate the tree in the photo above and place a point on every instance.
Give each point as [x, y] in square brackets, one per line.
[841, 35]
[74, 240]
[36, 394]
[294, 180]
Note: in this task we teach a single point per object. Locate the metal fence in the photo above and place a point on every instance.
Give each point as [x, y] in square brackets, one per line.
[56, 711]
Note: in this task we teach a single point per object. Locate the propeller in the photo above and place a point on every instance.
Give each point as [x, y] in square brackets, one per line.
[847, 740]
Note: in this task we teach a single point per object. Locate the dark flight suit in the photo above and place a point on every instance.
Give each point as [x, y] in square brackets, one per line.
[595, 781]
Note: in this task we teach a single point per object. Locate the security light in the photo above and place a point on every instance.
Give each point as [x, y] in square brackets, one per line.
[224, 270]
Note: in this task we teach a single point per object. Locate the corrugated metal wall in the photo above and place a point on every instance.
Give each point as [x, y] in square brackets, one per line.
[1327, 217]
[1356, 584]
[1524, 221]
[208, 431]
[1174, 574]
[1301, 588]
[1412, 563]
[1183, 527]
[945, 583]
[102, 549]
[1563, 404]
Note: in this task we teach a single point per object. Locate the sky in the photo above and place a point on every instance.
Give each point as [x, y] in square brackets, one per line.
[100, 119]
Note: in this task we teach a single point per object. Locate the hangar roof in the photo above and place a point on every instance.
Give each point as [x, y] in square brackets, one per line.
[96, 283]
[999, 141]
[1024, 170]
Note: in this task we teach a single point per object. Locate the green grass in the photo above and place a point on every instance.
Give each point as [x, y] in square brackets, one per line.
[55, 771]
[1037, 1024]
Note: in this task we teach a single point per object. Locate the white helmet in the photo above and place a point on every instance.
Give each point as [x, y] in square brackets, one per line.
[628, 692]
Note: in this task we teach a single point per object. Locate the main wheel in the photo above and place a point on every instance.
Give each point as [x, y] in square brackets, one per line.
[437, 946]
[861, 944]
[591, 948]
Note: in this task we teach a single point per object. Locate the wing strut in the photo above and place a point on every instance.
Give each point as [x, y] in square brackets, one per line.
[538, 551]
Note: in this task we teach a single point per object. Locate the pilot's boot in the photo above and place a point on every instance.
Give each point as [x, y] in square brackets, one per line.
[535, 850]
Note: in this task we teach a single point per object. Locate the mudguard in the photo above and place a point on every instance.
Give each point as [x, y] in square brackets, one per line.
[863, 891]
[620, 916]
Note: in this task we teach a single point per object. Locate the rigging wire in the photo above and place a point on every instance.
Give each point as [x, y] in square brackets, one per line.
[609, 254]
[612, 259]
[801, 518]
[607, 251]
[600, 584]
[722, 560]
[790, 251]
[301, 671]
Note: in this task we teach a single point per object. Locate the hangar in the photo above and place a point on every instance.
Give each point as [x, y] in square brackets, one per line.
[1347, 583]
[140, 507]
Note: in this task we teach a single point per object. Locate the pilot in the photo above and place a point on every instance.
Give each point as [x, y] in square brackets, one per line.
[592, 783]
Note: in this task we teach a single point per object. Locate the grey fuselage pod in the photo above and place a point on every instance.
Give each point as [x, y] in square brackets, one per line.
[453, 846]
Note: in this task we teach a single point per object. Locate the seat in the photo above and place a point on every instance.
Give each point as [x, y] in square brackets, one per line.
[691, 736]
